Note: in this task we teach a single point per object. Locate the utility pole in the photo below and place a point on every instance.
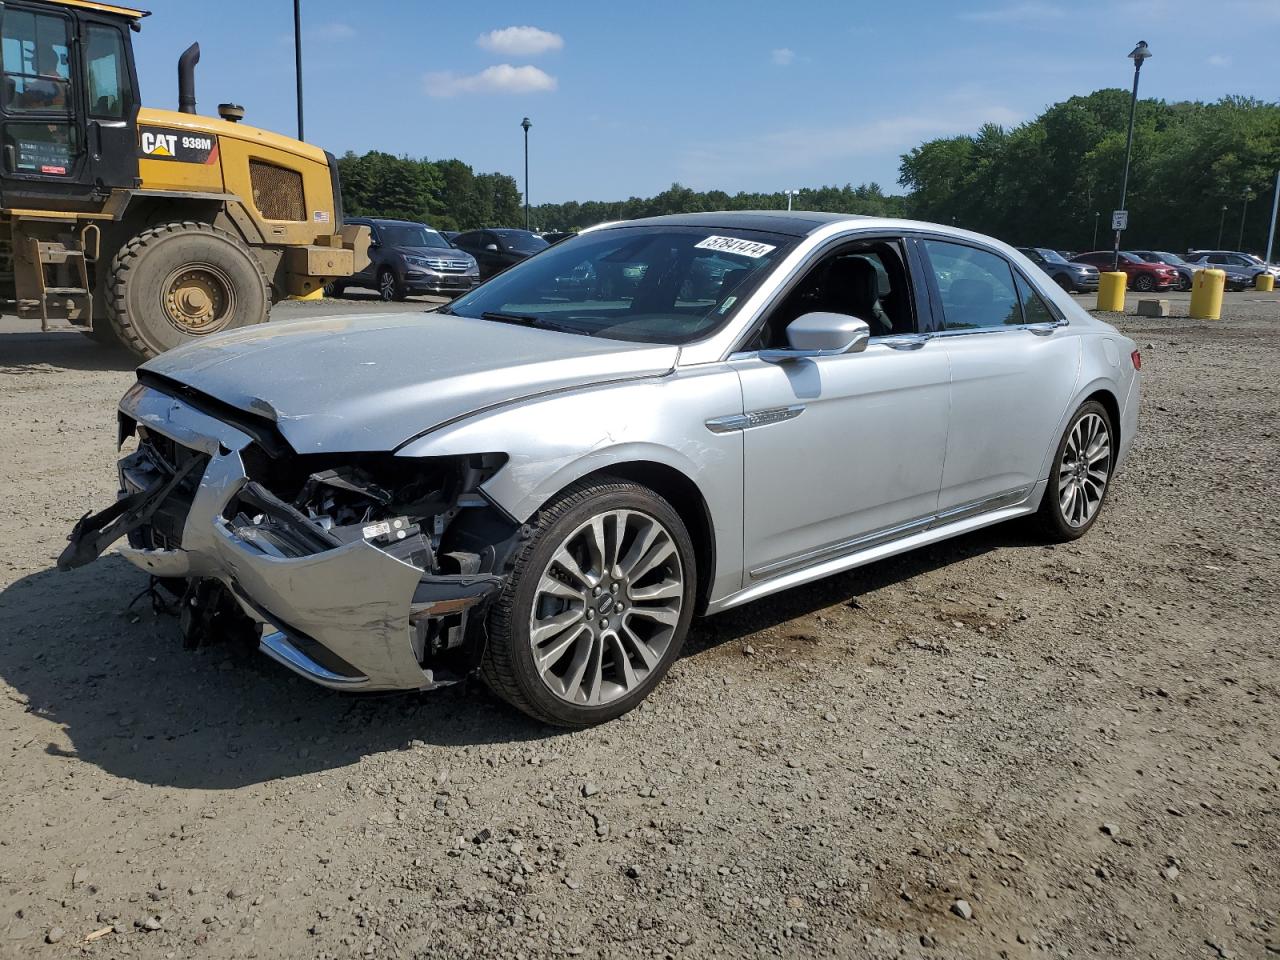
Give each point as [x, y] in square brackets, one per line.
[1137, 55]
[1246, 196]
[1275, 206]
[1096, 214]
[1222, 222]
[297, 58]
[525, 125]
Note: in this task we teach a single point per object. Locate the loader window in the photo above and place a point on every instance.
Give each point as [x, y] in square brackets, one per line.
[36, 69]
[109, 94]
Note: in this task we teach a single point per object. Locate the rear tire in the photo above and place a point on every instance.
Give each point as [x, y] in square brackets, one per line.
[178, 282]
[1079, 476]
[609, 622]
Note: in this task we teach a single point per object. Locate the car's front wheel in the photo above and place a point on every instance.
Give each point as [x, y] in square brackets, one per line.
[596, 608]
[1184, 281]
[1143, 282]
[1079, 475]
[389, 288]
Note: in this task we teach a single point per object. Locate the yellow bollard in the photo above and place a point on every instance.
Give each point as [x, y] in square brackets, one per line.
[1111, 291]
[1206, 294]
[1264, 282]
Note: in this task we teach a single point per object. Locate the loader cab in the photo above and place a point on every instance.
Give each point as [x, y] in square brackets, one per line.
[68, 103]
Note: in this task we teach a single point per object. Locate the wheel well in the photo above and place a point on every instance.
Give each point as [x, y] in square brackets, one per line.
[687, 500]
[1108, 400]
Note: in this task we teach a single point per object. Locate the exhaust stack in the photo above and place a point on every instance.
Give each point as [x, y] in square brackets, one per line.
[187, 78]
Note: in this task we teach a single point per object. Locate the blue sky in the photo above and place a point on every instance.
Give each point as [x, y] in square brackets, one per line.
[627, 97]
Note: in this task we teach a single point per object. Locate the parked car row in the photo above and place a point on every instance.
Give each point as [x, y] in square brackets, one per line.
[1147, 269]
[407, 258]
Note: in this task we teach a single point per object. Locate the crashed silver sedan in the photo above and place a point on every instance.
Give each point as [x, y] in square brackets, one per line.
[545, 481]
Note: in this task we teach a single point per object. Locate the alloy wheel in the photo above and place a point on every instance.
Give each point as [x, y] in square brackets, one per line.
[387, 285]
[1084, 470]
[606, 607]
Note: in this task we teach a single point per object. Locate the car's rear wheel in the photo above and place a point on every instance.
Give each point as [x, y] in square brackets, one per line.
[596, 608]
[1080, 474]
[1143, 282]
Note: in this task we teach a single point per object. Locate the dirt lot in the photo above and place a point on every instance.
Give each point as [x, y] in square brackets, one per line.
[1082, 743]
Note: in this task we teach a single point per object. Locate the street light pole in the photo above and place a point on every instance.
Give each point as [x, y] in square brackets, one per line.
[1096, 214]
[297, 58]
[1243, 210]
[1137, 55]
[1275, 207]
[525, 124]
[1222, 222]
[790, 194]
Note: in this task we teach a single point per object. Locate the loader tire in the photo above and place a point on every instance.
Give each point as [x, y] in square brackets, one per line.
[177, 282]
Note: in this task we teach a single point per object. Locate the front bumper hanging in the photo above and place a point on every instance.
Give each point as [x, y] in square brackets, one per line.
[344, 615]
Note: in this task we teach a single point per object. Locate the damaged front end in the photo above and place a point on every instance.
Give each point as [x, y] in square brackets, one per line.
[358, 571]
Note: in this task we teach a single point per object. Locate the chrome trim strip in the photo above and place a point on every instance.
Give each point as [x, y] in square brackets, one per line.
[885, 535]
[755, 418]
[277, 646]
[875, 538]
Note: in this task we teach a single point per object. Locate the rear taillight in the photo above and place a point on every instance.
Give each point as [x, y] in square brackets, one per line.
[1136, 357]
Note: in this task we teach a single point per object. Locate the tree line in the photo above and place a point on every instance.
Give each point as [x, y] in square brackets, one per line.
[1051, 181]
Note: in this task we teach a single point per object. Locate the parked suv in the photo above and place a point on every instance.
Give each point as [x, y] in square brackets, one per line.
[1228, 260]
[1142, 275]
[495, 248]
[1072, 277]
[407, 258]
[1237, 277]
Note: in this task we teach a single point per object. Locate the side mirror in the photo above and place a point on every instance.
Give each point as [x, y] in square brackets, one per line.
[374, 244]
[492, 247]
[821, 335]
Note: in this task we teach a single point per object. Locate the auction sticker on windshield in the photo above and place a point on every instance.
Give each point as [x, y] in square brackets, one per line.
[745, 248]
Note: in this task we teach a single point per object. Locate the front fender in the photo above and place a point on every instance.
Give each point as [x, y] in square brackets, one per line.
[552, 441]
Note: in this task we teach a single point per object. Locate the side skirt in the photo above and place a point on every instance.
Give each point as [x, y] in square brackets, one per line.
[942, 527]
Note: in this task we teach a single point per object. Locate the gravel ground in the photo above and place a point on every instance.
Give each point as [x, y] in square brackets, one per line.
[988, 748]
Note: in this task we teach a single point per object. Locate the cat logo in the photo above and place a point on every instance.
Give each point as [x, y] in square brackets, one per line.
[159, 144]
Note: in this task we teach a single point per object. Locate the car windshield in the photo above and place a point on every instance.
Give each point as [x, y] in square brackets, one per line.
[644, 284]
[1051, 256]
[410, 235]
[521, 241]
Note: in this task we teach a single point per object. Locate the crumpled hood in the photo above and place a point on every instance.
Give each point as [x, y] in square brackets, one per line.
[371, 382]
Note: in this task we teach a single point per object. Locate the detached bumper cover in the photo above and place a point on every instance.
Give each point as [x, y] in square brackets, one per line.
[340, 616]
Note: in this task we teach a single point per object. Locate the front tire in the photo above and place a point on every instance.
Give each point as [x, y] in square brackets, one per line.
[1143, 283]
[335, 289]
[389, 288]
[596, 608]
[1184, 282]
[1080, 475]
[1065, 282]
[177, 282]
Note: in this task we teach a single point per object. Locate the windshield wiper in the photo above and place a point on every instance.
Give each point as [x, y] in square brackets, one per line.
[527, 320]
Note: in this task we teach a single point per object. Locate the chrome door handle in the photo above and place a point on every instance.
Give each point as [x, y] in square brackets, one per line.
[905, 343]
[1043, 329]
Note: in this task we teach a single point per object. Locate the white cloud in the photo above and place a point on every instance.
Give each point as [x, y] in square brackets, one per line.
[503, 78]
[333, 31]
[783, 56]
[1027, 12]
[1218, 60]
[520, 41]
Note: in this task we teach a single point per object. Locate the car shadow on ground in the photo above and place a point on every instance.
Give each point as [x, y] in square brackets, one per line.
[33, 353]
[118, 691]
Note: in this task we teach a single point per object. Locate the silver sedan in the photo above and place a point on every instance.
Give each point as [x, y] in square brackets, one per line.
[545, 485]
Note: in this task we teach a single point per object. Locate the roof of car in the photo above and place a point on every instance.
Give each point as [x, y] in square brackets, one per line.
[796, 223]
[415, 223]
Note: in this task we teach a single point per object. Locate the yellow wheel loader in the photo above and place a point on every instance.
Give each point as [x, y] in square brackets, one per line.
[150, 227]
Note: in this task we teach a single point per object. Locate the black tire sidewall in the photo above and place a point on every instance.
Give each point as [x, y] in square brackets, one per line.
[524, 588]
[142, 266]
[1051, 507]
[1144, 284]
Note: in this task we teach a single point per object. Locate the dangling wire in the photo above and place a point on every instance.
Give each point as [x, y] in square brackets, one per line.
[159, 604]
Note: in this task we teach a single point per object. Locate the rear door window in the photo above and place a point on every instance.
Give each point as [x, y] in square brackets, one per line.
[976, 286]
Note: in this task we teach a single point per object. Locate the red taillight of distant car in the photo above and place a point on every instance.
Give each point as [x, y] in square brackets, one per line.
[1136, 357]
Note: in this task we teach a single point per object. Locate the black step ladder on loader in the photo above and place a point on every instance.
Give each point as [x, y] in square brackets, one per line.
[69, 296]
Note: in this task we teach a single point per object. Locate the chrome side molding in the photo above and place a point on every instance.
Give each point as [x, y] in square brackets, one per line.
[756, 418]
